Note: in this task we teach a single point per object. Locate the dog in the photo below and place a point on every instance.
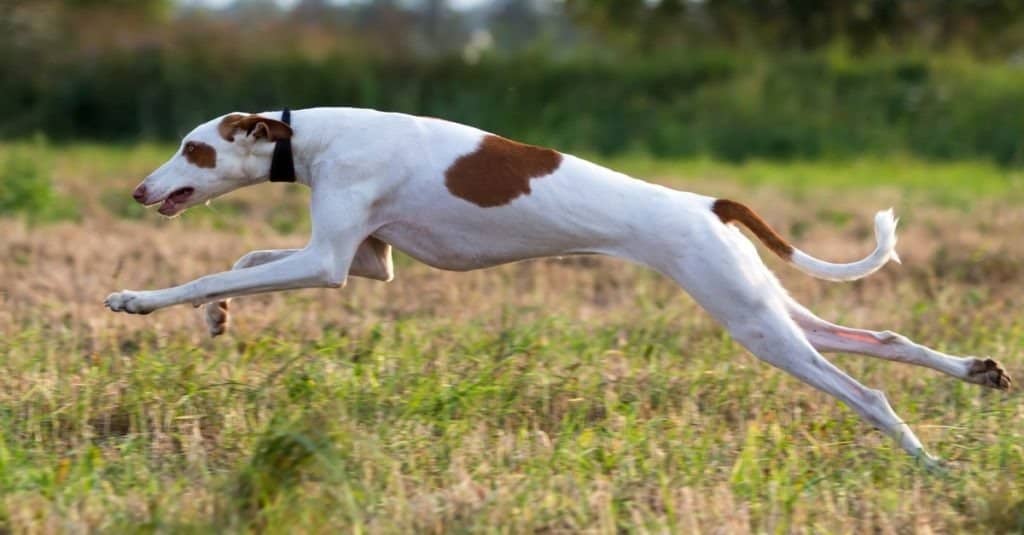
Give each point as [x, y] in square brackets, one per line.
[458, 198]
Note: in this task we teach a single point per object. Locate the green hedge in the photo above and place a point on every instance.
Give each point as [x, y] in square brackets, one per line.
[712, 103]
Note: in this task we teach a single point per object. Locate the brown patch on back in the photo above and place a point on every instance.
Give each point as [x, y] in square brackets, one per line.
[732, 211]
[499, 170]
[200, 154]
[255, 125]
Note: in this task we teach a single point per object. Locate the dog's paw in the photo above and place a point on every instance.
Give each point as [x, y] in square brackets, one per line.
[217, 317]
[127, 301]
[935, 465]
[988, 372]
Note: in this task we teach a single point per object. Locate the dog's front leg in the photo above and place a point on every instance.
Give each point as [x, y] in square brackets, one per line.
[216, 312]
[324, 263]
[311, 267]
[372, 260]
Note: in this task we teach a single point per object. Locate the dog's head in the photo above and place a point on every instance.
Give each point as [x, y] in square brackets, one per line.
[218, 156]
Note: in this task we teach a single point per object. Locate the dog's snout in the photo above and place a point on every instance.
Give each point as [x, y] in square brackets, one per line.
[140, 193]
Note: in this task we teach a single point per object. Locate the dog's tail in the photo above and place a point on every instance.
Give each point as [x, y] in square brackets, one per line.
[885, 236]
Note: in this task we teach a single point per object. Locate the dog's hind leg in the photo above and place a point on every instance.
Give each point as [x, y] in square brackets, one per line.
[372, 261]
[725, 275]
[764, 328]
[829, 337]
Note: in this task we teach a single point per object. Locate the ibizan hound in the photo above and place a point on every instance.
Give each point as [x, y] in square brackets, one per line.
[458, 198]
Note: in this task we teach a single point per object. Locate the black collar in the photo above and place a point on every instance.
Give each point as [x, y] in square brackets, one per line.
[282, 165]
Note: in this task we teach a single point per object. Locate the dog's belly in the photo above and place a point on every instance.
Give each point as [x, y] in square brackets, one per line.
[458, 250]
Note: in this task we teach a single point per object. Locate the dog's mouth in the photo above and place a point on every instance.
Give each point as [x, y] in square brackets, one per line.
[176, 201]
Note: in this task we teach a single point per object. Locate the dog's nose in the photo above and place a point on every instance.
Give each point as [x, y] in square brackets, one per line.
[140, 193]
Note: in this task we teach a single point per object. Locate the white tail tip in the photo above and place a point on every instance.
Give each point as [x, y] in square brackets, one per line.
[885, 236]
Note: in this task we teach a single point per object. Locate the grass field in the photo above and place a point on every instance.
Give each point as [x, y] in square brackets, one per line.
[582, 394]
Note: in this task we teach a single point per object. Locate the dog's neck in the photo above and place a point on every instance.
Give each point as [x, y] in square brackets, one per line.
[349, 137]
[306, 145]
[282, 167]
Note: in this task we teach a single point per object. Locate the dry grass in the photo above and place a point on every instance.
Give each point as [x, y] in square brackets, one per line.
[552, 396]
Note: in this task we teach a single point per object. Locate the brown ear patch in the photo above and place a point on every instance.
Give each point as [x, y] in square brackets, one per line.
[200, 154]
[255, 125]
[499, 170]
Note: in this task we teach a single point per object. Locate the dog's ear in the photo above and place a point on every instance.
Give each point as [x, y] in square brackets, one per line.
[253, 125]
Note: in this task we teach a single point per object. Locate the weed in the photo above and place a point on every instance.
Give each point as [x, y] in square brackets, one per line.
[26, 186]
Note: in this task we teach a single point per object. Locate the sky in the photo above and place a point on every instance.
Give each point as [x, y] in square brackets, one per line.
[216, 4]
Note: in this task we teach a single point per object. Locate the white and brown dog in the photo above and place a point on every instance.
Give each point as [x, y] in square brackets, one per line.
[457, 198]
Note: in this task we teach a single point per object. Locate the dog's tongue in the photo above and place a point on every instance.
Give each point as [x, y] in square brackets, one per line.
[167, 207]
[171, 203]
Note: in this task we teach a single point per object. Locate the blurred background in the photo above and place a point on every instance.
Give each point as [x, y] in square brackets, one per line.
[729, 79]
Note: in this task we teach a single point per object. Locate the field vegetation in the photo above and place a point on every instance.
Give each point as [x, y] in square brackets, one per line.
[561, 395]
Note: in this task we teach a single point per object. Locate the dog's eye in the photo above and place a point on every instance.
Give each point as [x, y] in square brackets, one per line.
[190, 147]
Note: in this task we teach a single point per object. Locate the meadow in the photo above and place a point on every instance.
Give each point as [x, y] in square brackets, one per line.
[566, 395]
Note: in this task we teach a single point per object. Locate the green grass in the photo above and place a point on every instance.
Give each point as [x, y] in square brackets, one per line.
[558, 396]
[26, 186]
[418, 423]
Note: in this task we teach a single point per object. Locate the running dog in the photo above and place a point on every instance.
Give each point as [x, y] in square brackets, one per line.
[458, 198]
